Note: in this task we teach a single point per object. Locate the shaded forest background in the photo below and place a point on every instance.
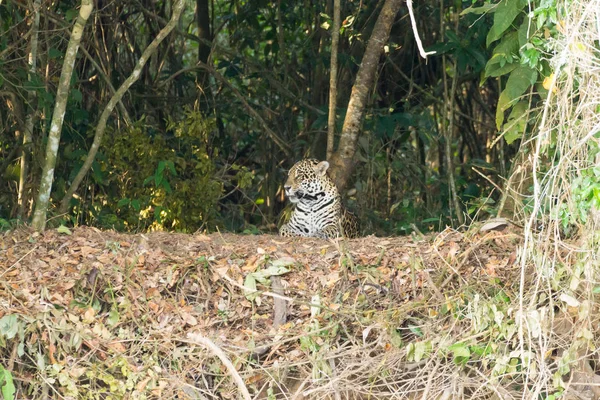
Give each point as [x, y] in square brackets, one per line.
[239, 91]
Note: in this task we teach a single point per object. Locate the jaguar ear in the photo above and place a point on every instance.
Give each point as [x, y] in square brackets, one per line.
[321, 168]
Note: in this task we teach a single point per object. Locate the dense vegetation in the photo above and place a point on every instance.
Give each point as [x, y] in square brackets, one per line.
[185, 115]
[239, 91]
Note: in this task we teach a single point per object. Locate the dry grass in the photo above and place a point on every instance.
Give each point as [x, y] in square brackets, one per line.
[447, 317]
[564, 271]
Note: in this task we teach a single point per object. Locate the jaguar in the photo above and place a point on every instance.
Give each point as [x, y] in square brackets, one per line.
[318, 210]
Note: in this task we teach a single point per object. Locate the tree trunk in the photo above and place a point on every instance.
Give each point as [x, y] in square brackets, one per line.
[448, 130]
[31, 95]
[62, 94]
[342, 164]
[335, 39]
[448, 134]
[203, 22]
[101, 127]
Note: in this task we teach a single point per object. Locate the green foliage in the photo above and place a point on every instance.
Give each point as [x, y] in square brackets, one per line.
[182, 170]
[275, 268]
[460, 352]
[173, 183]
[6, 225]
[586, 197]
[518, 55]
[519, 80]
[417, 351]
[517, 122]
[505, 13]
[9, 327]
[7, 386]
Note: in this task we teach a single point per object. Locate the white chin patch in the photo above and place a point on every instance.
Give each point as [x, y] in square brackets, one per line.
[293, 199]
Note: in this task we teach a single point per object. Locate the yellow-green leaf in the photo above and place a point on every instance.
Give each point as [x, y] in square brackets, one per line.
[517, 120]
[64, 229]
[518, 82]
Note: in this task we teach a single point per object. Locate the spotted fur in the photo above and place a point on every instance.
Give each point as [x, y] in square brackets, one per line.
[318, 211]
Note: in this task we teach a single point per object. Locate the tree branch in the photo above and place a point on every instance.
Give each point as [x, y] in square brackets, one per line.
[101, 127]
[283, 145]
[62, 95]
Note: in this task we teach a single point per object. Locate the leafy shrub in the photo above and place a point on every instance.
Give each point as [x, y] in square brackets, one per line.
[154, 180]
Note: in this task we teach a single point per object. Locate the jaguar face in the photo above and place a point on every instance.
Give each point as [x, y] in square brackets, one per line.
[306, 180]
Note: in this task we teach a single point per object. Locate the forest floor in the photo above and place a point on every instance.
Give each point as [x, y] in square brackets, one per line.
[85, 312]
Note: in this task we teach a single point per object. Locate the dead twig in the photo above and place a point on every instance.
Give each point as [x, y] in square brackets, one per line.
[196, 338]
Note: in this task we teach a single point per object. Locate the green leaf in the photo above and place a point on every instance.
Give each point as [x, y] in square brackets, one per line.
[171, 167]
[123, 202]
[64, 229]
[416, 330]
[136, 205]
[515, 126]
[157, 211]
[54, 53]
[113, 316]
[504, 56]
[477, 56]
[410, 352]
[283, 262]
[461, 353]
[494, 70]
[518, 82]
[263, 275]
[161, 168]
[250, 283]
[167, 186]
[504, 15]
[596, 290]
[8, 386]
[21, 349]
[523, 32]
[76, 95]
[71, 14]
[275, 270]
[480, 350]
[478, 10]
[420, 351]
[9, 326]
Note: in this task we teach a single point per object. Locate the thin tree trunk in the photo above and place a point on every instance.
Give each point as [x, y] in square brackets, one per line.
[448, 131]
[335, 39]
[448, 136]
[62, 94]
[29, 122]
[342, 164]
[203, 22]
[101, 127]
[281, 41]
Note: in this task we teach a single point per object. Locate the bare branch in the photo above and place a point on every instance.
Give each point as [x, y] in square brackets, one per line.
[101, 127]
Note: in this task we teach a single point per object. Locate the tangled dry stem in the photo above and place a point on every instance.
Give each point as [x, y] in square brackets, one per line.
[564, 269]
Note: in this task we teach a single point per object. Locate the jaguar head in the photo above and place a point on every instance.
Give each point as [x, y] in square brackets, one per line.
[306, 180]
